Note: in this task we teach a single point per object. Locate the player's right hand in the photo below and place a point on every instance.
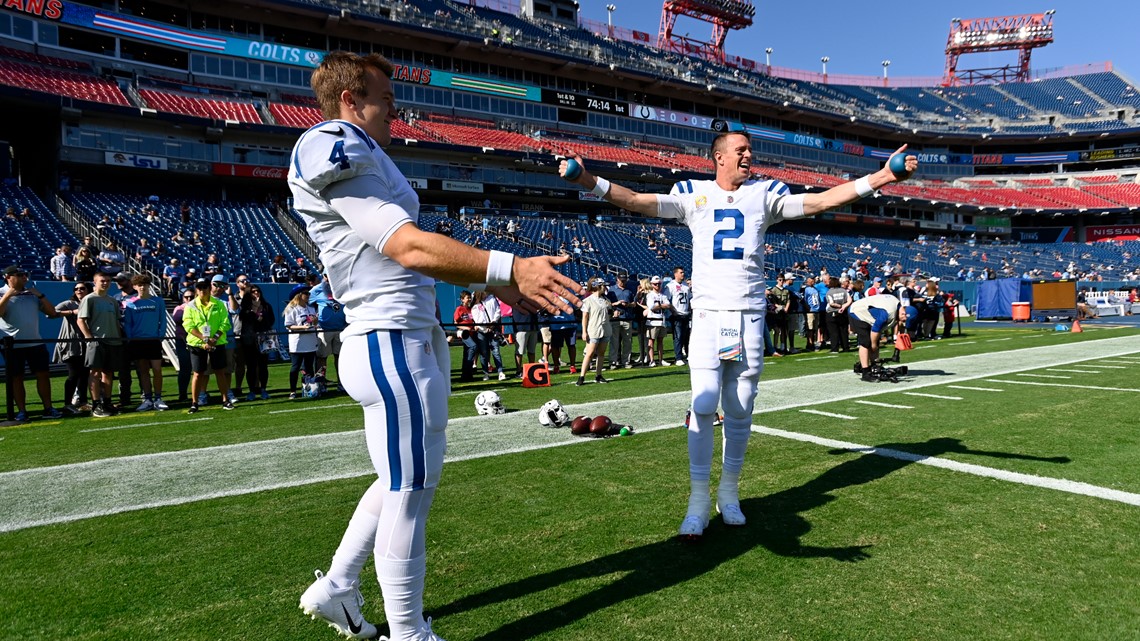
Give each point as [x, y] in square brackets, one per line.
[537, 280]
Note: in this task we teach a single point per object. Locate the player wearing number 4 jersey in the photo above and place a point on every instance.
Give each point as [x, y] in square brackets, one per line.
[728, 217]
[362, 215]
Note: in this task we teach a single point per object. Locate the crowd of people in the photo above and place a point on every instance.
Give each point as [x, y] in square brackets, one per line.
[217, 330]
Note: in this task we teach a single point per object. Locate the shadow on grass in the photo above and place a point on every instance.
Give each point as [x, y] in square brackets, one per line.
[777, 524]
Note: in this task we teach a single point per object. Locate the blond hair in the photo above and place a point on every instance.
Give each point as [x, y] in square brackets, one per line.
[341, 71]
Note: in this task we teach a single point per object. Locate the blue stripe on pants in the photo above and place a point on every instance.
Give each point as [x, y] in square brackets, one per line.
[392, 416]
[411, 392]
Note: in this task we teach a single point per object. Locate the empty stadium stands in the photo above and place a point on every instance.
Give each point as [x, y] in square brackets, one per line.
[213, 108]
[60, 82]
[30, 244]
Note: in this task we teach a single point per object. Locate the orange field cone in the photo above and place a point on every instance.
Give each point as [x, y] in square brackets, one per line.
[1076, 327]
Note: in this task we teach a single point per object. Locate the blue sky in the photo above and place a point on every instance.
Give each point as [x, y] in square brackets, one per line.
[857, 36]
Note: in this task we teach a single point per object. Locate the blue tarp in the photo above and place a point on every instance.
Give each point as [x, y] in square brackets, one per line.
[996, 298]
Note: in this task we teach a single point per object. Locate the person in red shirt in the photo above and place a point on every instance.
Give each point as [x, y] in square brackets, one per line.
[464, 325]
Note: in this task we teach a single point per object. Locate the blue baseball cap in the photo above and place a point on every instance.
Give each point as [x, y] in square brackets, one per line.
[220, 278]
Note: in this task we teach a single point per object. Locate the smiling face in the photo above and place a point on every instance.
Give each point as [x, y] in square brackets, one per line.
[374, 110]
[732, 155]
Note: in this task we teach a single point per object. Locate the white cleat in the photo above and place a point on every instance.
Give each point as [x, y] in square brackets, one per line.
[426, 634]
[146, 406]
[339, 607]
[160, 404]
[731, 514]
[692, 528]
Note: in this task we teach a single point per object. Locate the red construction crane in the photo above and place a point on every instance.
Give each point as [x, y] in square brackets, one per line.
[977, 35]
[723, 14]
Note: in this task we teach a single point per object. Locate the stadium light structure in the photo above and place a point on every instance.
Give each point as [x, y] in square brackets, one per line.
[610, 19]
[722, 14]
[1022, 33]
[825, 60]
[768, 57]
[885, 63]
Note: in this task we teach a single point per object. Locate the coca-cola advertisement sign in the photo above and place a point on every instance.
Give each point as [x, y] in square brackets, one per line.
[250, 171]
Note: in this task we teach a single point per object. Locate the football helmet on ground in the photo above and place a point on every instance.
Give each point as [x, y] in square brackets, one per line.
[552, 414]
[487, 403]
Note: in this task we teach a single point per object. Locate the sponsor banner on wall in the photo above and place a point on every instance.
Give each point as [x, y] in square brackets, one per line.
[418, 183]
[250, 171]
[466, 187]
[1104, 232]
[877, 220]
[124, 159]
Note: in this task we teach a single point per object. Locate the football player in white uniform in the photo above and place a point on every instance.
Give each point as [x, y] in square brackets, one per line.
[728, 217]
[362, 214]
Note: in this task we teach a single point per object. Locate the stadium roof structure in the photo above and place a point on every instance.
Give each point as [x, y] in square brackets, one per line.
[1022, 33]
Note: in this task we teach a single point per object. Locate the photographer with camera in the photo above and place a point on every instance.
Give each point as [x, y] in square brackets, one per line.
[870, 318]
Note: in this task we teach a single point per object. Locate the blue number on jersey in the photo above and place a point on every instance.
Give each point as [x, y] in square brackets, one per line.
[737, 230]
[338, 155]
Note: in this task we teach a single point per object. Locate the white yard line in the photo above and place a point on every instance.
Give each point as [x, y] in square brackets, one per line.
[71, 492]
[1046, 376]
[1061, 485]
[474, 392]
[830, 415]
[1099, 366]
[817, 358]
[1073, 371]
[975, 389]
[938, 396]
[998, 340]
[966, 343]
[877, 404]
[125, 427]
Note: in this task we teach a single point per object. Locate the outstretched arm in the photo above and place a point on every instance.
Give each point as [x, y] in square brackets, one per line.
[849, 192]
[624, 197]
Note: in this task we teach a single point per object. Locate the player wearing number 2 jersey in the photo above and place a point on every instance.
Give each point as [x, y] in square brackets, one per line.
[362, 215]
[728, 217]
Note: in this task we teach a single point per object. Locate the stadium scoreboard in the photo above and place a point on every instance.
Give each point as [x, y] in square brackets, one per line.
[585, 103]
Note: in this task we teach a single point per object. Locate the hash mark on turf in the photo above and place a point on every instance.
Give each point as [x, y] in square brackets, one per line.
[315, 407]
[975, 389]
[831, 415]
[1073, 371]
[1104, 366]
[478, 391]
[944, 398]
[995, 340]
[819, 358]
[966, 343]
[124, 427]
[877, 404]
[1044, 376]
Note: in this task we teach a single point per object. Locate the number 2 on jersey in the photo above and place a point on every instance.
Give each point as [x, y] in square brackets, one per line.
[338, 156]
[737, 230]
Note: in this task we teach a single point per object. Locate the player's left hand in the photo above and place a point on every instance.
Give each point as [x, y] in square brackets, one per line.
[538, 281]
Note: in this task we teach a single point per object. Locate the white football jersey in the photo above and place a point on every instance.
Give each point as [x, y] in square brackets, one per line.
[728, 237]
[376, 291]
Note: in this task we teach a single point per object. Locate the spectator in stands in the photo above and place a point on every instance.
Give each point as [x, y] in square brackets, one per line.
[10, 214]
[85, 265]
[657, 307]
[70, 350]
[487, 315]
[681, 314]
[99, 320]
[212, 267]
[63, 264]
[178, 239]
[596, 312]
[104, 224]
[143, 251]
[144, 326]
[184, 213]
[196, 239]
[20, 309]
[330, 317]
[621, 325]
[172, 276]
[838, 301]
[301, 322]
[279, 271]
[120, 223]
[300, 273]
[111, 260]
[256, 317]
[206, 321]
[159, 250]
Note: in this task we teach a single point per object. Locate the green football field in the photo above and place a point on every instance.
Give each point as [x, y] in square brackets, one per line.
[993, 493]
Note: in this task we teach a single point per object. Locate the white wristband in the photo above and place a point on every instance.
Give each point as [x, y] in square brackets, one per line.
[863, 187]
[601, 188]
[499, 267]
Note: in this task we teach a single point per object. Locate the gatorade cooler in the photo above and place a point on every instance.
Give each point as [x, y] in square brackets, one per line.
[1021, 312]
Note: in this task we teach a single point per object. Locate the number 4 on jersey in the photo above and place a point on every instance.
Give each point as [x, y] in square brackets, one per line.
[338, 156]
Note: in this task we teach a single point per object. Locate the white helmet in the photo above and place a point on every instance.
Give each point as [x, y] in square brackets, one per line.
[310, 387]
[552, 414]
[489, 403]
